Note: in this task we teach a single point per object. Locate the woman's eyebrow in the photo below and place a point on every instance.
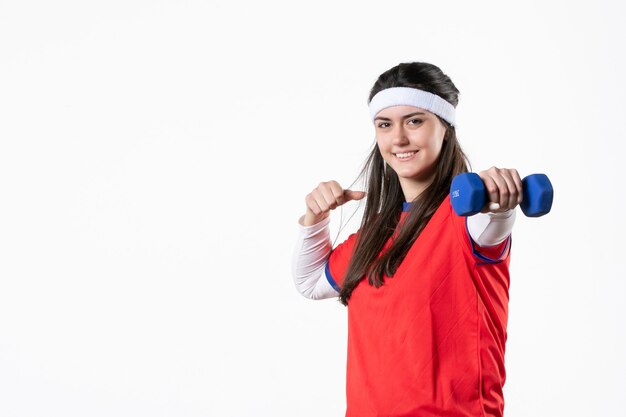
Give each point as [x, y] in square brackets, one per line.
[404, 117]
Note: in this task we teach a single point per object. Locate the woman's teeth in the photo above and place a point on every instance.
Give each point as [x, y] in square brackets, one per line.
[405, 155]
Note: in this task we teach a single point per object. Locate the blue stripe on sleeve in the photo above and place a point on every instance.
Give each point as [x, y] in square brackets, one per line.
[330, 279]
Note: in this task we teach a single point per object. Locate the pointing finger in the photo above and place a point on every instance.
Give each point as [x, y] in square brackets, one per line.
[354, 195]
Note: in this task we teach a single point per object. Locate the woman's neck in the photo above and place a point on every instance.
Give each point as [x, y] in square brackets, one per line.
[412, 188]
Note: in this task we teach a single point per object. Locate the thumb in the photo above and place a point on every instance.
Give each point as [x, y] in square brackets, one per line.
[353, 195]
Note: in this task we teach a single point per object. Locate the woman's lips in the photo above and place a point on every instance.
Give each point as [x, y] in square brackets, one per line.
[405, 156]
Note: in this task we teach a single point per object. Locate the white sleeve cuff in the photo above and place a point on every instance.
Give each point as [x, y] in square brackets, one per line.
[490, 229]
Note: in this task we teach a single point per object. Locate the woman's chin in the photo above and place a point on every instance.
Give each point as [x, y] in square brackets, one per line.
[417, 176]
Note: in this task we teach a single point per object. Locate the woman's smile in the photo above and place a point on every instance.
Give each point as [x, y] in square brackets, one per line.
[405, 156]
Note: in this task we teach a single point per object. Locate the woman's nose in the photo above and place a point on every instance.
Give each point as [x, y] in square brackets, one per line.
[399, 136]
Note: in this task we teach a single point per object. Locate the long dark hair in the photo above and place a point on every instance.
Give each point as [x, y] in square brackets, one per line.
[384, 194]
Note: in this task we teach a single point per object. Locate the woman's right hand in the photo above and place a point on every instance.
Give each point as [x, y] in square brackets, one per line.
[325, 197]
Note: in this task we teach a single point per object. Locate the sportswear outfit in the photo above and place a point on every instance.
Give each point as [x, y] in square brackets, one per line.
[431, 340]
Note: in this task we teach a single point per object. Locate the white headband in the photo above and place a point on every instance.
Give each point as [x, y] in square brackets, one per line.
[407, 96]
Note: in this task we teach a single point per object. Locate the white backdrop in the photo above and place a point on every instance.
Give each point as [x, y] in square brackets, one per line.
[154, 160]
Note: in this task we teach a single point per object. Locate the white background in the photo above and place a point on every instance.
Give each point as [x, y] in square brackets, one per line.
[154, 160]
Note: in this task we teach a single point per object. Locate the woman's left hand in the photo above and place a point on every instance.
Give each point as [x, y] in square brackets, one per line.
[504, 187]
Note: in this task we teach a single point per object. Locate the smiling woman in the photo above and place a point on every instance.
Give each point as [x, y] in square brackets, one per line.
[426, 290]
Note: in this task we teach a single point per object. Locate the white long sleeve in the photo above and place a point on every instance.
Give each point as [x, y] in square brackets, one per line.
[313, 247]
[490, 229]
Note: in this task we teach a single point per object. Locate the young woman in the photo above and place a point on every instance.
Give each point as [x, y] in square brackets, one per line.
[426, 290]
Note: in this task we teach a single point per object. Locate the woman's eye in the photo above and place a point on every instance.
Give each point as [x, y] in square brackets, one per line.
[381, 124]
[415, 120]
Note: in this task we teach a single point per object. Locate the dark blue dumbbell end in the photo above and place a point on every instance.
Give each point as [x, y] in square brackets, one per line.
[538, 195]
[467, 194]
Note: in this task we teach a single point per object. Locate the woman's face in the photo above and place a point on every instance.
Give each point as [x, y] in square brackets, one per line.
[410, 140]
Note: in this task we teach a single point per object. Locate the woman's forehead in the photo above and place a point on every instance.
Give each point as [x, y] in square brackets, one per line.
[401, 111]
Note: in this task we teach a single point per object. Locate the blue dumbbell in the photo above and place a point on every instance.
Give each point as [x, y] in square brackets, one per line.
[468, 194]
